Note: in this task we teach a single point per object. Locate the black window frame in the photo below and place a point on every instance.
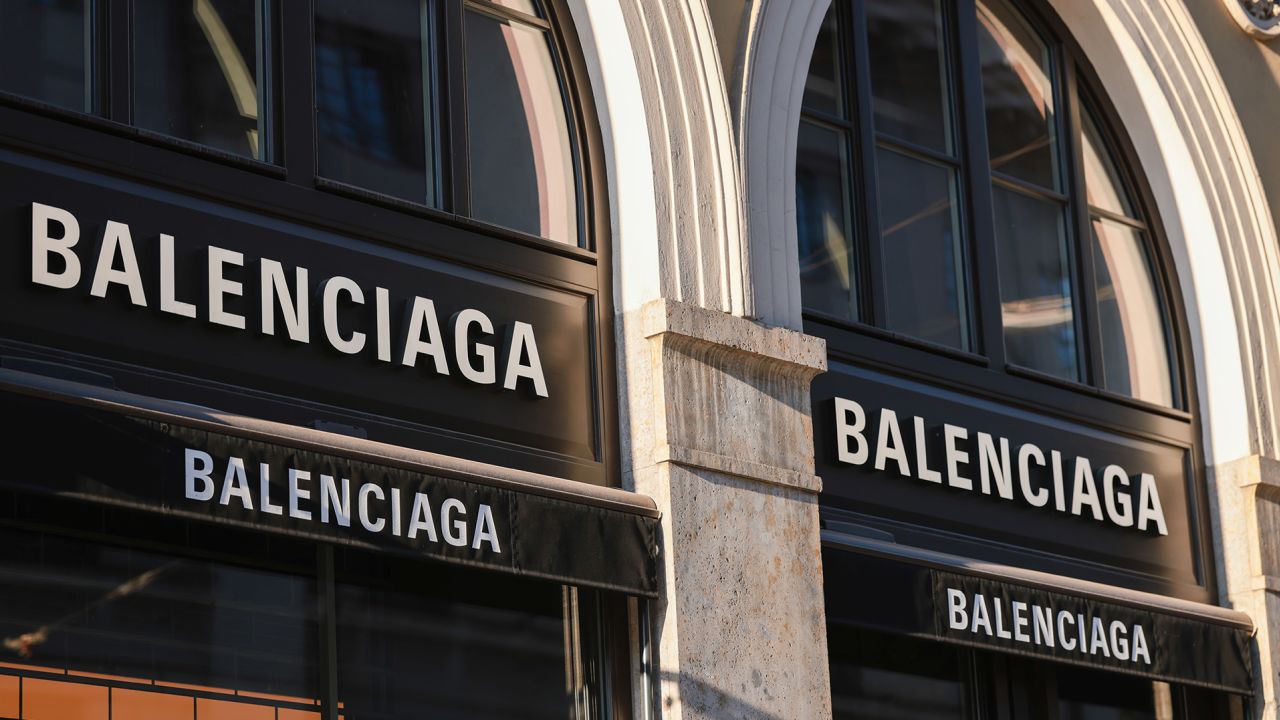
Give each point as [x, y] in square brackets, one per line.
[983, 373]
[291, 188]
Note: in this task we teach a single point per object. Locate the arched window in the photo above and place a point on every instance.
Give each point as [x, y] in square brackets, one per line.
[959, 190]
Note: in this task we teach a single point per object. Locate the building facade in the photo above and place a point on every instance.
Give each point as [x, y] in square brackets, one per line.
[649, 358]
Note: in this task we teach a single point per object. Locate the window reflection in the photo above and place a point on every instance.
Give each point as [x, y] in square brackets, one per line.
[93, 631]
[43, 51]
[1035, 285]
[1135, 353]
[197, 72]
[374, 104]
[826, 263]
[1019, 94]
[922, 253]
[908, 76]
[520, 150]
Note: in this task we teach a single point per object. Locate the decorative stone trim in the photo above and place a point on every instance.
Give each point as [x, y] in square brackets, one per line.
[1259, 18]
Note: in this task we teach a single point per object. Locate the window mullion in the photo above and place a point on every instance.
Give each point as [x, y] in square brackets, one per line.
[453, 102]
[977, 179]
[298, 90]
[1079, 227]
[326, 591]
[119, 58]
[866, 188]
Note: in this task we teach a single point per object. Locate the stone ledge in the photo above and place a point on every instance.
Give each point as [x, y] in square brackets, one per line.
[663, 316]
[737, 467]
[1250, 470]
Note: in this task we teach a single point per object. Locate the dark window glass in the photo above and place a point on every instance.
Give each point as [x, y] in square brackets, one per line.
[520, 150]
[908, 75]
[374, 98]
[150, 629]
[198, 72]
[876, 676]
[418, 640]
[44, 51]
[822, 218]
[1135, 349]
[1035, 284]
[822, 90]
[1019, 94]
[923, 258]
[1093, 695]
[1102, 180]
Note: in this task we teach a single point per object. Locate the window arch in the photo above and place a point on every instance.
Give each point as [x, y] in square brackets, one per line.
[958, 189]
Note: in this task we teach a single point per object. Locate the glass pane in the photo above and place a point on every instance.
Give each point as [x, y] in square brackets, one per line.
[877, 676]
[1135, 350]
[43, 51]
[196, 72]
[1035, 284]
[908, 74]
[373, 97]
[822, 90]
[1102, 178]
[138, 620]
[1019, 95]
[822, 218]
[417, 640]
[1093, 695]
[922, 251]
[522, 158]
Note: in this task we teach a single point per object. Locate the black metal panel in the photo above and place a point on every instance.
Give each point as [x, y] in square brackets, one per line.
[245, 371]
[1010, 530]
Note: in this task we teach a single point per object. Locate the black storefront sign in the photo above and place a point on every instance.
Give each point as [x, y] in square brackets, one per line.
[106, 456]
[1036, 622]
[945, 470]
[309, 324]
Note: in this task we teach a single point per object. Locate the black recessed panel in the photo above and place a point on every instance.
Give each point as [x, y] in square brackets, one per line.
[1126, 542]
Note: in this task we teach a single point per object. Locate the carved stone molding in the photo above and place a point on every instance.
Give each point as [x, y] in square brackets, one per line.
[1259, 18]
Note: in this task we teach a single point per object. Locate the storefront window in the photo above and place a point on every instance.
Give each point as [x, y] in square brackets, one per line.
[464, 646]
[198, 72]
[44, 51]
[878, 677]
[949, 191]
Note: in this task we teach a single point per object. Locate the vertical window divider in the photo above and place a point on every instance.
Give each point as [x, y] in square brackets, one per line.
[1071, 130]
[297, 105]
[453, 130]
[119, 54]
[860, 108]
[988, 316]
[326, 592]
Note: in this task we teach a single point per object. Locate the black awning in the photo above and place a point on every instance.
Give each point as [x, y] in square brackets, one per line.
[97, 445]
[878, 585]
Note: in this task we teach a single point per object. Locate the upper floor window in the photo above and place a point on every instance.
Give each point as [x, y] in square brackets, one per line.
[454, 105]
[955, 185]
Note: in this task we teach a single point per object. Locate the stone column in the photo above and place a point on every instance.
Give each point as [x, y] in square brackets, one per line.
[717, 430]
[1248, 527]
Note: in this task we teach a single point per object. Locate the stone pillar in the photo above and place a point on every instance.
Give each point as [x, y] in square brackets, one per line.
[717, 430]
[1248, 528]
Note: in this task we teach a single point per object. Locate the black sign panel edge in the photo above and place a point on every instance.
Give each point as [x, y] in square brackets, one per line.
[537, 525]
